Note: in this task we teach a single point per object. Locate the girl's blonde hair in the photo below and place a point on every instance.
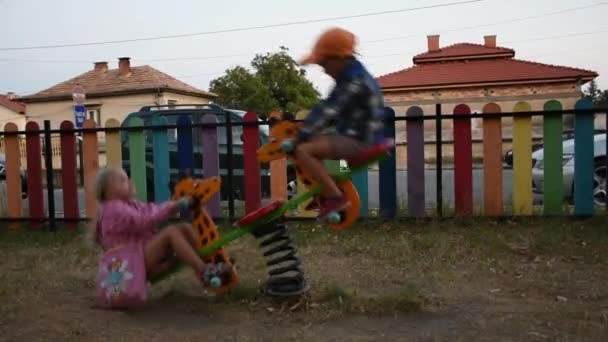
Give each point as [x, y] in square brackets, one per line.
[102, 181]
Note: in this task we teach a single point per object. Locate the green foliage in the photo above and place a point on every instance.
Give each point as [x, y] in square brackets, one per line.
[596, 95]
[276, 82]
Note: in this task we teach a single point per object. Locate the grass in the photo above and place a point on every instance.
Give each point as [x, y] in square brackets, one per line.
[374, 268]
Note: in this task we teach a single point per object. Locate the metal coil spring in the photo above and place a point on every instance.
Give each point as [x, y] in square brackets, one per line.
[286, 276]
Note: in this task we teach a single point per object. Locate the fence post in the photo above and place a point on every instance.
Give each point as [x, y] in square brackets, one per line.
[438, 160]
[522, 161]
[492, 162]
[34, 170]
[13, 177]
[211, 161]
[463, 161]
[229, 166]
[416, 204]
[91, 166]
[68, 170]
[583, 159]
[553, 177]
[160, 155]
[50, 191]
[251, 166]
[278, 168]
[388, 171]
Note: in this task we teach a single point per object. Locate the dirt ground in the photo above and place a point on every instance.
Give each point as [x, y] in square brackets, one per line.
[533, 280]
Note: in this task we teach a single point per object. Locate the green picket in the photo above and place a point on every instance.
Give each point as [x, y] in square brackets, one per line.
[137, 158]
[553, 177]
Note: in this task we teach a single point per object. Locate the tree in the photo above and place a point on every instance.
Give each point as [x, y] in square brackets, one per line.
[277, 83]
[241, 89]
[596, 95]
[592, 92]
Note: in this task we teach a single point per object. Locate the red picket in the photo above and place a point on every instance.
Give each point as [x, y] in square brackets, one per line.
[34, 170]
[251, 166]
[463, 161]
[69, 171]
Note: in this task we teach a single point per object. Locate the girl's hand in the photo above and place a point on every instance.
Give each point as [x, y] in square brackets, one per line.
[185, 202]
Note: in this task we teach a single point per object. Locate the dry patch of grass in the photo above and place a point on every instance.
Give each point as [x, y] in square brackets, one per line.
[515, 279]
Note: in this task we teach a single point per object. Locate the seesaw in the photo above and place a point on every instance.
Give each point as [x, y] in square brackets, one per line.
[211, 244]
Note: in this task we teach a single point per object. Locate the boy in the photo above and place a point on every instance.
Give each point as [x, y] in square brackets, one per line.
[346, 123]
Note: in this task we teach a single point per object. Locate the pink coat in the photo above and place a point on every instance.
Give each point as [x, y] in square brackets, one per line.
[123, 228]
[120, 222]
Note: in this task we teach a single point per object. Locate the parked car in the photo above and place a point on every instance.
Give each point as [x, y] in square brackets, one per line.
[196, 112]
[566, 135]
[3, 175]
[599, 175]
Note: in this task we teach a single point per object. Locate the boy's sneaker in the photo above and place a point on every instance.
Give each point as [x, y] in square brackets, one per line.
[333, 204]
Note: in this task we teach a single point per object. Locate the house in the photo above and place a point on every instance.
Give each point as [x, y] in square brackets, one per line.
[11, 110]
[112, 94]
[477, 74]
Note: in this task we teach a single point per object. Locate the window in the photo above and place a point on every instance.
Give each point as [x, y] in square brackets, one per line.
[94, 113]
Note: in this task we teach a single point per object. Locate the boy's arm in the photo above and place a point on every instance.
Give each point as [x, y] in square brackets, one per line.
[326, 111]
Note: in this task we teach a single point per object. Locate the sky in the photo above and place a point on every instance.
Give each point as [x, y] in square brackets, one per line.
[387, 42]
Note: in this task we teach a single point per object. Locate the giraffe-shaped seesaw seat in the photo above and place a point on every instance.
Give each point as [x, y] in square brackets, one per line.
[202, 190]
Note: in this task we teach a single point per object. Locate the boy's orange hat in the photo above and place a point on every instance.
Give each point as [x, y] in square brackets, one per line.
[335, 42]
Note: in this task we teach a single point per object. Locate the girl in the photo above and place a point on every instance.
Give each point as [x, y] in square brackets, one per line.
[122, 220]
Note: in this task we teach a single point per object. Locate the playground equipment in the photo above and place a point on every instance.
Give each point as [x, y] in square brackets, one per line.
[285, 275]
[265, 224]
[283, 134]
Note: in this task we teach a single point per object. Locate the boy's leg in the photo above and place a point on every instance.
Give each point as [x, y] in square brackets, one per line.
[331, 147]
[311, 155]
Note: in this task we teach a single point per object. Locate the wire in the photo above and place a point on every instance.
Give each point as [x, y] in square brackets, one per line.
[463, 28]
[370, 41]
[557, 37]
[293, 23]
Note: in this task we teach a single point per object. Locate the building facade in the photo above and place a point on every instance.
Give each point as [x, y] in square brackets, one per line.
[477, 74]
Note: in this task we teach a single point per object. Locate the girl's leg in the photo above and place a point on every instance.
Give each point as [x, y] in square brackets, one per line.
[169, 240]
[186, 229]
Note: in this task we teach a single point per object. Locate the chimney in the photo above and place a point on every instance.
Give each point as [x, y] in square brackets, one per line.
[433, 42]
[490, 41]
[101, 66]
[124, 66]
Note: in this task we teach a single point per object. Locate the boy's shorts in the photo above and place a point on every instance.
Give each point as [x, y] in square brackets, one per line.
[344, 147]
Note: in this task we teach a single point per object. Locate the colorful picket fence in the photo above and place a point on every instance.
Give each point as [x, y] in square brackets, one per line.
[492, 203]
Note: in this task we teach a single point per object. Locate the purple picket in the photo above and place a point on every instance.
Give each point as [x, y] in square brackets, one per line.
[211, 160]
[415, 163]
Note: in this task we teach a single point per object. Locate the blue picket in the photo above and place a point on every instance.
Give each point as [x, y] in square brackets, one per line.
[388, 171]
[185, 151]
[160, 155]
[583, 159]
[360, 181]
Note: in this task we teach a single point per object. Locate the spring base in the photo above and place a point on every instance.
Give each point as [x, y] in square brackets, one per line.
[286, 277]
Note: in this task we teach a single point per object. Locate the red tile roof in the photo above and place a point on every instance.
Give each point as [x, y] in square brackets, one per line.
[485, 71]
[461, 50]
[97, 83]
[15, 106]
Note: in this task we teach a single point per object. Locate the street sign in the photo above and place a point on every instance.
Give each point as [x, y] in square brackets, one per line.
[79, 115]
[78, 95]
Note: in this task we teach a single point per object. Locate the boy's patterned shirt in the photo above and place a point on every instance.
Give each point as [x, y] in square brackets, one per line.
[354, 108]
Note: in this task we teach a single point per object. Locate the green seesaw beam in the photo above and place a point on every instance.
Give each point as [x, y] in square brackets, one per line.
[268, 218]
